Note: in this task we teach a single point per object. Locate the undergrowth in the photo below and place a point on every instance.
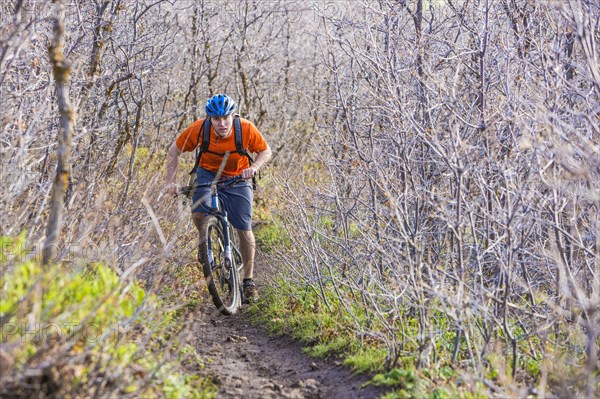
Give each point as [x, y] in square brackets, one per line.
[388, 342]
[298, 311]
[82, 331]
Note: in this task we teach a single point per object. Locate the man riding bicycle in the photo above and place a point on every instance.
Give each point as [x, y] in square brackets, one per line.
[238, 198]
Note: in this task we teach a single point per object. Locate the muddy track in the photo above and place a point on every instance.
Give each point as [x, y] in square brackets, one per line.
[246, 361]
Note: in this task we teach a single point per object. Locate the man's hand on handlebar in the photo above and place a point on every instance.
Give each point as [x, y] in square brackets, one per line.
[249, 173]
[172, 189]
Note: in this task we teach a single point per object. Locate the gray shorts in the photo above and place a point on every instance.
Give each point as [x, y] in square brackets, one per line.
[236, 199]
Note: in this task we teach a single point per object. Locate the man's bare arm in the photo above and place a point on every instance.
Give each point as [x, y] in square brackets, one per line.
[261, 159]
[172, 166]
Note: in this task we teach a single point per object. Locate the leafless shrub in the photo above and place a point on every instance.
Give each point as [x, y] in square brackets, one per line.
[459, 180]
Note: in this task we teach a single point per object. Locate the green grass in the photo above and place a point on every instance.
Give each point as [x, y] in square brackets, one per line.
[269, 234]
[366, 359]
[328, 347]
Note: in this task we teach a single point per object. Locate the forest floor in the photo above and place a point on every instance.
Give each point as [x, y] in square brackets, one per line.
[244, 360]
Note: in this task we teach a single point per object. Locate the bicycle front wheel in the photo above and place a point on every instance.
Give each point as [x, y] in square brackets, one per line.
[221, 276]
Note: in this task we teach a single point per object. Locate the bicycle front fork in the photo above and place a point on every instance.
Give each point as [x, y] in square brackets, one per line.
[227, 238]
[227, 244]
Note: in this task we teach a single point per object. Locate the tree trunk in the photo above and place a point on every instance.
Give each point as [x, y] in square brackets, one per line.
[61, 71]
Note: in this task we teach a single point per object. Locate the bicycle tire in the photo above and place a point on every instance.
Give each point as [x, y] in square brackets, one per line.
[237, 259]
[221, 276]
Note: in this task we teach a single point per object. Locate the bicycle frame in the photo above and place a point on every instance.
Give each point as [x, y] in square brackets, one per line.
[217, 210]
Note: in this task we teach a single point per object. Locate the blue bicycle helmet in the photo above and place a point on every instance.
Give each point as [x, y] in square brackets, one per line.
[220, 105]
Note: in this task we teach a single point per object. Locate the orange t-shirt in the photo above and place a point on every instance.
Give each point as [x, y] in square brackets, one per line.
[252, 141]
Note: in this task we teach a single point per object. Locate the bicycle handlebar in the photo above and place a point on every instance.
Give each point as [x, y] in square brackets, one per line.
[187, 190]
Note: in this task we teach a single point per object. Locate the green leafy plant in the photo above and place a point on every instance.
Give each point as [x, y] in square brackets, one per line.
[84, 324]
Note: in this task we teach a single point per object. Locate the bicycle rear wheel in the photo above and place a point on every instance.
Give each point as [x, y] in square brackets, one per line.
[221, 276]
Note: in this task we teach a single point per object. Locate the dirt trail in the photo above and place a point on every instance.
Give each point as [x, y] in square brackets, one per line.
[245, 361]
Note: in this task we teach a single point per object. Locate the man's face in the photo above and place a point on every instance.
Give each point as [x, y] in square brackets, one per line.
[222, 125]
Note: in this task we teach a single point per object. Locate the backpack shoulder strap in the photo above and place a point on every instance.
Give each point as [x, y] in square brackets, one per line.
[237, 131]
[201, 148]
[239, 146]
[205, 136]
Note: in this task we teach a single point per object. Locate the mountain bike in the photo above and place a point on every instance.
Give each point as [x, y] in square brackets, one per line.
[219, 253]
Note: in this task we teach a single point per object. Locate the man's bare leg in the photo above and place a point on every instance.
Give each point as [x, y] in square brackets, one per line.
[198, 218]
[247, 249]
